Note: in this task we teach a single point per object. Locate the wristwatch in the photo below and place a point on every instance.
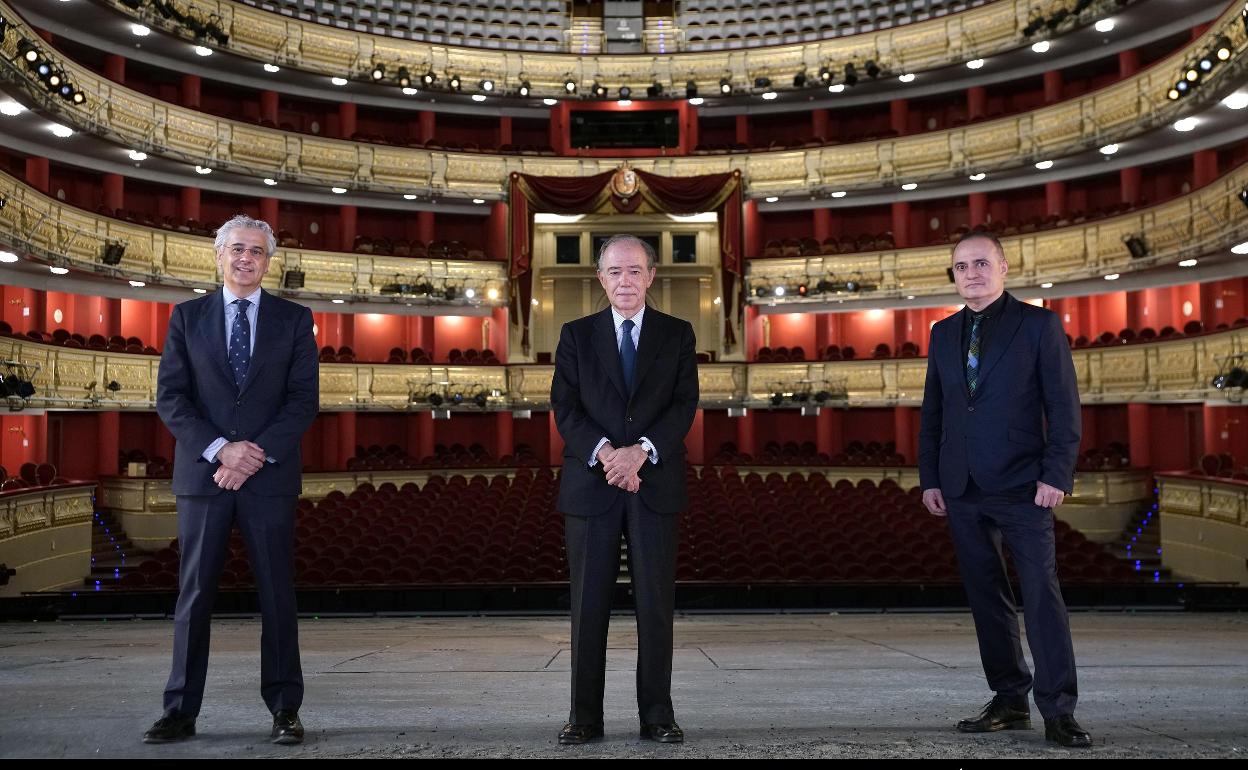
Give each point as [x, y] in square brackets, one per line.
[647, 447]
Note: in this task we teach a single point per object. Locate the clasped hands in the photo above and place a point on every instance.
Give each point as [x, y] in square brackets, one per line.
[239, 461]
[623, 465]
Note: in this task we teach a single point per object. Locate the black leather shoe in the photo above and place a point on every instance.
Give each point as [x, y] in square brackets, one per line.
[663, 733]
[1065, 731]
[287, 729]
[173, 726]
[575, 735]
[998, 714]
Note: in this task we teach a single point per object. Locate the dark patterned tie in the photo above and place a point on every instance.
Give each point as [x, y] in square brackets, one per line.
[972, 355]
[240, 342]
[628, 355]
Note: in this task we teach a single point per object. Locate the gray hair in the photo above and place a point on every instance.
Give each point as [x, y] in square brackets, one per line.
[651, 257]
[240, 221]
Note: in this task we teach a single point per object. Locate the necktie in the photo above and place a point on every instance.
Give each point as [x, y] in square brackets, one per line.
[972, 355]
[240, 342]
[628, 355]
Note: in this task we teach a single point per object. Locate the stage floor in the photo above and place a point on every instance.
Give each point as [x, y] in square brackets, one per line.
[744, 685]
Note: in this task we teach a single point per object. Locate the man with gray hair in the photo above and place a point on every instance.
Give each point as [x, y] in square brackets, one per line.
[625, 393]
[237, 388]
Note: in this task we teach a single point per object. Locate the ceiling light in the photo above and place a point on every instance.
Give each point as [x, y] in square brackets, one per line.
[270, 181]
[203, 170]
[975, 64]
[525, 88]
[338, 190]
[11, 108]
[58, 270]
[478, 201]
[137, 155]
[491, 293]
[978, 177]
[269, 67]
[1185, 124]
[338, 81]
[696, 101]
[839, 194]
[202, 51]
[1241, 248]
[409, 91]
[1236, 101]
[906, 78]
[1044, 165]
[1112, 277]
[487, 85]
[137, 284]
[1188, 263]
[478, 97]
[836, 88]
[64, 132]
[909, 186]
[779, 291]
[200, 291]
[769, 95]
[550, 102]
[1109, 149]
[1046, 285]
[338, 301]
[1105, 25]
[455, 83]
[470, 293]
[7, 257]
[379, 72]
[140, 30]
[1040, 47]
[772, 199]
[410, 196]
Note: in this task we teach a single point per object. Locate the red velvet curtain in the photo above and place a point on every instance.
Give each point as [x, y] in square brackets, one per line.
[585, 195]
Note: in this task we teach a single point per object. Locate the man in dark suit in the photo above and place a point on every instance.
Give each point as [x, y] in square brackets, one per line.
[624, 394]
[237, 387]
[997, 448]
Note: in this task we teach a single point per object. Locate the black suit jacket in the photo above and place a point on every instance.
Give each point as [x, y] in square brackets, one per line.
[198, 401]
[590, 401]
[999, 437]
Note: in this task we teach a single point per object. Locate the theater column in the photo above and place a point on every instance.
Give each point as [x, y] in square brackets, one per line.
[504, 434]
[329, 442]
[822, 224]
[556, 441]
[743, 129]
[424, 226]
[1138, 445]
[114, 192]
[108, 436]
[348, 216]
[189, 204]
[269, 106]
[115, 68]
[819, 124]
[904, 434]
[504, 130]
[348, 119]
[268, 213]
[428, 124]
[978, 204]
[1055, 198]
[346, 440]
[1129, 179]
[38, 173]
[695, 441]
[1216, 431]
[976, 102]
[829, 431]
[425, 448]
[1053, 85]
[192, 86]
[901, 224]
[899, 116]
[1204, 167]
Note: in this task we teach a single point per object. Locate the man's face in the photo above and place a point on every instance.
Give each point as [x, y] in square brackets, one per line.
[978, 270]
[625, 276]
[244, 260]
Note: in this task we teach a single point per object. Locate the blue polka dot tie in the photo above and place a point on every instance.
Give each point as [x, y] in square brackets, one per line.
[240, 342]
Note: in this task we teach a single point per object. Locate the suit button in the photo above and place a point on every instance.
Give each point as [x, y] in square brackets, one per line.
[238, 403]
[630, 419]
[970, 409]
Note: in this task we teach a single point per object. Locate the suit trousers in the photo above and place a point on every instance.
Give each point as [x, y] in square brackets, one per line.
[979, 522]
[268, 528]
[594, 564]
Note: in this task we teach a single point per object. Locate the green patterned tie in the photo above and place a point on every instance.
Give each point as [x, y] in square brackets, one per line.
[972, 355]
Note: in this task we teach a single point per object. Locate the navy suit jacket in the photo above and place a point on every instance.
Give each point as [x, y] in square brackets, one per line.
[999, 437]
[198, 401]
[590, 401]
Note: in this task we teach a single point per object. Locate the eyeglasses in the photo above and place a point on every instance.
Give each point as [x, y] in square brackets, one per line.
[255, 251]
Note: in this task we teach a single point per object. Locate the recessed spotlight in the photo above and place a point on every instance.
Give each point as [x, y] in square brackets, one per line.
[478, 97]
[200, 291]
[1241, 248]
[470, 293]
[8, 257]
[975, 64]
[1112, 277]
[410, 196]
[137, 155]
[137, 284]
[338, 190]
[1044, 165]
[1185, 124]
[1046, 285]
[772, 199]
[338, 81]
[202, 51]
[697, 101]
[409, 91]
[910, 186]
[839, 194]
[625, 102]
[1188, 263]
[1109, 149]
[270, 67]
[478, 201]
[270, 181]
[203, 170]
[836, 88]
[1236, 101]
[550, 102]
[11, 108]
[140, 30]
[769, 95]
[1041, 46]
[978, 177]
[536, 302]
[779, 291]
[338, 301]
[909, 296]
[54, 270]
[1105, 25]
[906, 78]
[491, 293]
[64, 132]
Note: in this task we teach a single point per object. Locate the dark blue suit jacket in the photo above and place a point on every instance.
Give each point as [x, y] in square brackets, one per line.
[198, 401]
[590, 401]
[1000, 438]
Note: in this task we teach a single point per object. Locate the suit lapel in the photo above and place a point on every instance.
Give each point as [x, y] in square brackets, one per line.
[1002, 336]
[647, 346]
[261, 351]
[608, 352]
[212, 328]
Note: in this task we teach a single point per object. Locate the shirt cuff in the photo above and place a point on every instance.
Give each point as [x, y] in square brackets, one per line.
[210, 454]
[593, 456]
[654, 451]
